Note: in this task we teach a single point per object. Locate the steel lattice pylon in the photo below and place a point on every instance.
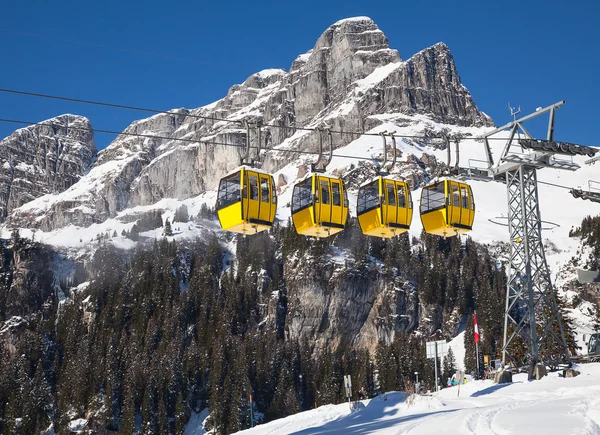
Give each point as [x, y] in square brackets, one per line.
[531, 309]
[533, 330]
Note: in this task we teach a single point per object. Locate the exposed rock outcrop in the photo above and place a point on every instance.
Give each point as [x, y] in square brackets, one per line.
[330, 303]
[45, 158]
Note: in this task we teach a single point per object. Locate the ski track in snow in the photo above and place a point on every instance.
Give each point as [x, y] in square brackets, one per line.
[550, 406]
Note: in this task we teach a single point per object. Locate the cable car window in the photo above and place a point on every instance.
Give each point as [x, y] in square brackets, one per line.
[593, 344]
[455, 196]
[368, 198]
[253, 187]
[390, 194]
[273, 192]
[409, 198]
[401, 197]
[335, 193]
[229, 190]
[465, 198]
[433, 197]
[302, 196]
[325, 191]
[264, 187]
[471, 200]
[592, 348]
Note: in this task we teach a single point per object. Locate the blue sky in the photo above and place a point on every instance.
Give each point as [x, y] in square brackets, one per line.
[531, 53]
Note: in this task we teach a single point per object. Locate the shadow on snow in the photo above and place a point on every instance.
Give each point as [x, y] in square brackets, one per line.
[378, 414]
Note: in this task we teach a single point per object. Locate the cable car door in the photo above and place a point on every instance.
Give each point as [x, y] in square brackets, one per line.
[467, 207]
[403, 204]
[252, 198]
[390, 212]
[454, 203]
[324, 200]
[336, 202]
[265, 199]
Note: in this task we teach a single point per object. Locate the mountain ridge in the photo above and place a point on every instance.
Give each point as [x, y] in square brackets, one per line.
[349, 76]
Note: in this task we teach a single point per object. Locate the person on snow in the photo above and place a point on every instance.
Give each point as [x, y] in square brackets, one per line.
[362, 394]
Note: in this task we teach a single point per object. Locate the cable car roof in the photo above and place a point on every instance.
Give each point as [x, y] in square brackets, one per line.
[247, 168]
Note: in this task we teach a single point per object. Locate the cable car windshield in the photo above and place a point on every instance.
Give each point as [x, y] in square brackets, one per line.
[368, 198]
[253, 187]
[433, 198]
[264, 188]
[229, 190]
[401, 197]
[335, 189]
[302, 196]
[325, 191]
[390, 194]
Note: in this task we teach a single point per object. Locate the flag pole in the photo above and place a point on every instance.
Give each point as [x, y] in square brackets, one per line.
[476, 337]
[477, 351]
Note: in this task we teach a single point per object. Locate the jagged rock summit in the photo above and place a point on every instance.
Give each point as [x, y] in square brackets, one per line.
[348, 81]
[46, 158]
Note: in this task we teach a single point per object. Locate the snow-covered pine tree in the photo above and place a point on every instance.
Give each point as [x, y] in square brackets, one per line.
[168, 230]
[470, 357]
[449, 363]
[181, 214]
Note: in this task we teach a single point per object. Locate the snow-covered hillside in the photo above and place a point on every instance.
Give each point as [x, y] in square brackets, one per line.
[553, 405]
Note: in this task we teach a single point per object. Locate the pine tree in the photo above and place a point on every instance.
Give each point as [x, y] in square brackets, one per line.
[181, 416]
[127, 421]
[449, 364]
[470, 354]
[181, 214]
[285, 401]
[568, 325]
[168, 230]
[41, 395]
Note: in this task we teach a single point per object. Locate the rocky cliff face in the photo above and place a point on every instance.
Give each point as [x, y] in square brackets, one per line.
[45, 158]
[339, 305]
[349, 78]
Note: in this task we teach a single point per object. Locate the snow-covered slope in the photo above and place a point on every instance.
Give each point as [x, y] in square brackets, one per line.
[553, 405]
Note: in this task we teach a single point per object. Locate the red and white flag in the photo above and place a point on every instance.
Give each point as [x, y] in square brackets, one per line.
[475, 328]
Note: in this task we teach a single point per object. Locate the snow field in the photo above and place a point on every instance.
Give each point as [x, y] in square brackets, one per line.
[553, 405]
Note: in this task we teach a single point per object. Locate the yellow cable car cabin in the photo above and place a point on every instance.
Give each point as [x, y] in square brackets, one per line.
[447, 208]
[247, 201]
[384, 208]
[319, 206]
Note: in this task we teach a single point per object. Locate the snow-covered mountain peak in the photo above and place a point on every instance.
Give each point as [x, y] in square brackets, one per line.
[350, 81]
[46, 158]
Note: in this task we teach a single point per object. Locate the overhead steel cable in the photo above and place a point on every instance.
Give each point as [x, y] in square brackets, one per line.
[209, 142]
[554, 185]
[195, 141]
[212, 118]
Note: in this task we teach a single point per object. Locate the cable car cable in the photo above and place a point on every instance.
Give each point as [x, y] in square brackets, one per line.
[207, 142]
[196, 141]
[209, 118]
